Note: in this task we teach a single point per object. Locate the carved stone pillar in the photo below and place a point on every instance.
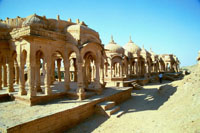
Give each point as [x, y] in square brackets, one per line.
[22, 90]
[111, 71]
[0, 76]
[53, 72]
[102, 76]
[136, 69]
[16, 73]
[114, 73]
[37, 77]
[31, 80]
[97, 79]
[67, 76]
[75, 71]
[10, 76]
[80, 88]
[47, 79]
[5, 75]
[58, 67]
[121, 71]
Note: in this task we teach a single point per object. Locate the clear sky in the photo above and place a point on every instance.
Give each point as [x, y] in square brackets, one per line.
[166, 26]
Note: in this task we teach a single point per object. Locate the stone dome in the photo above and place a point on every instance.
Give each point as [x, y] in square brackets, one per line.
[114, 47]
[132, 47]
[33, 20]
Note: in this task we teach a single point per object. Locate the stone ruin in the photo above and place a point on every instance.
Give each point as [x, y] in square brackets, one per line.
[36, 52]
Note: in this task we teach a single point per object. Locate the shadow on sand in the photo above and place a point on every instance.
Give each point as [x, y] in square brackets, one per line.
[148, 99]
[141, 100]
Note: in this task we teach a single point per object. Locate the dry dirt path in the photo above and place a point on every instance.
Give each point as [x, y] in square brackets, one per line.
[152, 111]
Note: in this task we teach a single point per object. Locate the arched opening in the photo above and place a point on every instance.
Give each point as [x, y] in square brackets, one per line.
[90, 70]
[40, 72]
[57, 73]
[73, 67]
[117, 66]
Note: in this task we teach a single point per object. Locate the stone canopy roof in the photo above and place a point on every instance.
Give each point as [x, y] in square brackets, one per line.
[132, 47]
[114, 47]
[76, 32]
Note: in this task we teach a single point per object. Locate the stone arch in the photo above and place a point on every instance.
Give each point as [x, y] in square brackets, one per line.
[58, 60]
[39, 76]
[89, 71]
[117, 65]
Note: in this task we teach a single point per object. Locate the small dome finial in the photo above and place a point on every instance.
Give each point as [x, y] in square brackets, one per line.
[130, 39]
[143, 46]
[150, 49]
[111, 41]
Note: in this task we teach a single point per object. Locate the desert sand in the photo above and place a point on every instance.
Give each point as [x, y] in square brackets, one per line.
[168, 107]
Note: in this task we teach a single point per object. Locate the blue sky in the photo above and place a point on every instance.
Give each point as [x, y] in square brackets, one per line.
[166, 26]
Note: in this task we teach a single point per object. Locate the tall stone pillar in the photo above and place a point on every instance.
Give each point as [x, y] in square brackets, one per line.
[80, 89]
[47, 80]
[111, 71]
[58, 67]
[0, 76]
[67, 75]
[5, 75]
[75, 71]
[121, 71]
[22, 90]
[16, 73]
[10, 76]
[136, 69]
[97, 79]
[126, 70]
[37, 77]
[114, 73]
[31, 80]
[102, 76]
[53, 72]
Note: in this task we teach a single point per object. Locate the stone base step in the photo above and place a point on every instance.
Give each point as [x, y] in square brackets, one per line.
[118, 113]
[106, 105]
[136, 86]
[112, 110]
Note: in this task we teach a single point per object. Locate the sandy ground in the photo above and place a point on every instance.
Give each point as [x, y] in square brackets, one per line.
[175, 108]
[14, 112]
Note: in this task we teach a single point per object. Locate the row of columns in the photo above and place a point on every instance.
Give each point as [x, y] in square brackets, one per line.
[6, 72]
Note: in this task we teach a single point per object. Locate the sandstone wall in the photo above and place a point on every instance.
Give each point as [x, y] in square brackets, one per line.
[64, 120]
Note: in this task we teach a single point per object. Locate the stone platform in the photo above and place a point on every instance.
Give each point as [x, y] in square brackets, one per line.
[57, 92]
[56, 116]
